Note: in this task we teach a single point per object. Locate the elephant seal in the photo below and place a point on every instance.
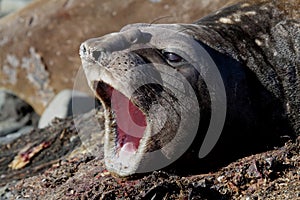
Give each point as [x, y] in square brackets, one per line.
[169, 91]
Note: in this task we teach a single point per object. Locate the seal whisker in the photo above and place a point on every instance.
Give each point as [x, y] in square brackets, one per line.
[160, 18]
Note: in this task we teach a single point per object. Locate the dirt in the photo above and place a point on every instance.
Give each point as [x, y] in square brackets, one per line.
[65, 169]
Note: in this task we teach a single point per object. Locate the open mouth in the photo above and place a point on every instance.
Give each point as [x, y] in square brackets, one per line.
[131, 122]
[125, 124]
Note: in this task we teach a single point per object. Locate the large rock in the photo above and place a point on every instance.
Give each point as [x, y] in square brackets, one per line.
[67, 103]
[8, 6]
[16, 117]
[39, 44]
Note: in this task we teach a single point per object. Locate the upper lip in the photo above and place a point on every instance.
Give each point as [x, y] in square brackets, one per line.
[103, 92]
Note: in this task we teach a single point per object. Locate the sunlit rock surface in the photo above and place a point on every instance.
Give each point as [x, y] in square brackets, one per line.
[39, 44]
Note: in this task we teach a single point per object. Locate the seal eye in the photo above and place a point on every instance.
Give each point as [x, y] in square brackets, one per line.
[172, 57]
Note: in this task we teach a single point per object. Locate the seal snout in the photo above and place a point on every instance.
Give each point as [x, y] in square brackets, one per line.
[96, 47]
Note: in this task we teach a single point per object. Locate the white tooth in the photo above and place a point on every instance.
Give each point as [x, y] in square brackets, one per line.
[127, 154]
[128, 148]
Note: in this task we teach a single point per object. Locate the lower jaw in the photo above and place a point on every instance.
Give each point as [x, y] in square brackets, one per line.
[121, 161]
[122, 156]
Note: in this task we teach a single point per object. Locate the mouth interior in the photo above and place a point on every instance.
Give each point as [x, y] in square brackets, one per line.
[131, 123]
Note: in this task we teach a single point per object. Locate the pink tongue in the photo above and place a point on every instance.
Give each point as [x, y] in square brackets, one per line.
[130, 120]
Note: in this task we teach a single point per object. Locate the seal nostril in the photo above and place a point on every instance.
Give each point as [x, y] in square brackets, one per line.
[96, 54]
[83, 49]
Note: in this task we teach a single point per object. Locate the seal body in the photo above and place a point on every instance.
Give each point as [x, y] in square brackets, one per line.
[171, 90]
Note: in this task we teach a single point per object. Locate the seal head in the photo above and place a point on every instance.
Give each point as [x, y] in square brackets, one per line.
[145, 78]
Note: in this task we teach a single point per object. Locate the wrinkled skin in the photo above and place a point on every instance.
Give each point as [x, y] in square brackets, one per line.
[234, 73]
